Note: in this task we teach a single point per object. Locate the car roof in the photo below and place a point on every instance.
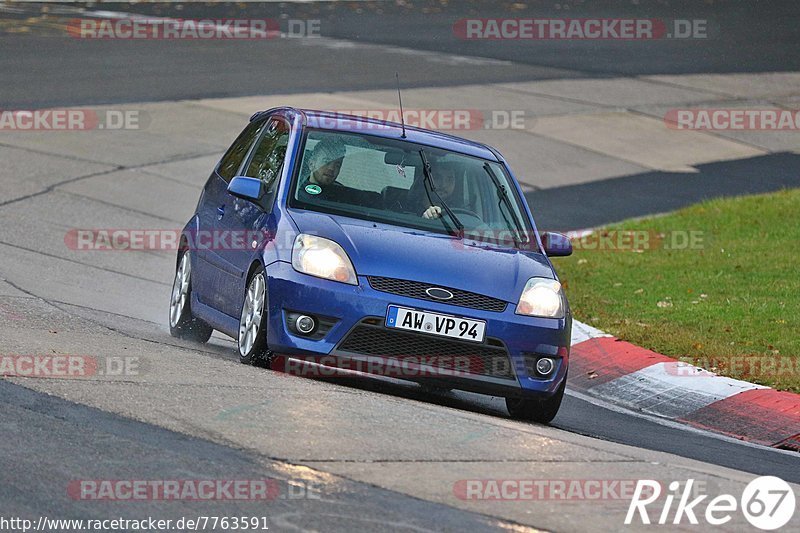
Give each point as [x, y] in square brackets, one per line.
[332, 120]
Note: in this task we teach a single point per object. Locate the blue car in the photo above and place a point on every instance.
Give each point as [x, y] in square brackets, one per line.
[329, 241]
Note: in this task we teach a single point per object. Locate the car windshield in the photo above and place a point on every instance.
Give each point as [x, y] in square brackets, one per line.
[384, 180]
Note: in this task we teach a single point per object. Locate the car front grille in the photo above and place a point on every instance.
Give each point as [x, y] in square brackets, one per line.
[441, 354]
[416, 289]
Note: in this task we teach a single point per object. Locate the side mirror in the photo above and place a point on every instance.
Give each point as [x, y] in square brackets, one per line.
[556, 244]
[251, 189]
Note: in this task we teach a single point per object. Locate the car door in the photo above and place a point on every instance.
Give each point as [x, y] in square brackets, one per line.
[213, 273]
[249, 222]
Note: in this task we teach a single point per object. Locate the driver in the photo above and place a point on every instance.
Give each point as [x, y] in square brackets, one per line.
[324, 165]
[444, 176]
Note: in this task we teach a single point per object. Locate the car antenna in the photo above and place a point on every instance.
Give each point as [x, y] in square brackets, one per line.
[402, 120]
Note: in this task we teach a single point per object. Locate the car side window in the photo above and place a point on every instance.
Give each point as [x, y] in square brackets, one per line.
[267, 158]
[232, 160]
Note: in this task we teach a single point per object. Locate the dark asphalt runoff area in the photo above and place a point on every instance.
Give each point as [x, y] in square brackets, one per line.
[41, 435]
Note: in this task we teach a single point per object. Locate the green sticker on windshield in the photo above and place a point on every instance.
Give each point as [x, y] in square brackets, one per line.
[313, 189]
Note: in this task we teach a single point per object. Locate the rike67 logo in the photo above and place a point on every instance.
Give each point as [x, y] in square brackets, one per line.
[767, 503]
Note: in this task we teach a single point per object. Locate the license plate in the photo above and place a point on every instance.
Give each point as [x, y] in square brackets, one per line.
[435, 324]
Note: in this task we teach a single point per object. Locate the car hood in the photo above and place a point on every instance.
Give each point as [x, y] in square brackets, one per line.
[389, 251]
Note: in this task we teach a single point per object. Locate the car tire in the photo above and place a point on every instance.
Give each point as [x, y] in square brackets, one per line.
[182, 324]
[252, 339]
[534, 409]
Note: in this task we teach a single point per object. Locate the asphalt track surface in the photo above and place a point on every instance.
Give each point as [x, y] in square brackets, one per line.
[49, 441]
[41, 71]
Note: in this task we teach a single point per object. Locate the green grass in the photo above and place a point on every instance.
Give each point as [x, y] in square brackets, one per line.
[730, 304]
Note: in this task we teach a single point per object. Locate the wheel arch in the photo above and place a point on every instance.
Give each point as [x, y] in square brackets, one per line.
[254, 266]
[183, 247]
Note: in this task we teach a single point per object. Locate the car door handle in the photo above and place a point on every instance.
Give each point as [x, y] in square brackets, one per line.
[220, 212]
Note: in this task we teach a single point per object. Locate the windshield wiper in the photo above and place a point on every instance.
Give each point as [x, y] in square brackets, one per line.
[431, 188]
[501, 191]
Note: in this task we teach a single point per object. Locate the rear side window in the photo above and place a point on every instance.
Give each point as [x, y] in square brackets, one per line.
[267, 159]
[233, 158]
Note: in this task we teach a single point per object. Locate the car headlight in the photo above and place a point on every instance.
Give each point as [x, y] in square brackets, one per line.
[542, 297]
[322, 258]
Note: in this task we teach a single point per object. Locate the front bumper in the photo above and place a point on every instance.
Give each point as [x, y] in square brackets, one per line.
[349, 307]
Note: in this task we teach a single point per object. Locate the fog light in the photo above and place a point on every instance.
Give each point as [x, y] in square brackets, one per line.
[544, 366]
[305, 324]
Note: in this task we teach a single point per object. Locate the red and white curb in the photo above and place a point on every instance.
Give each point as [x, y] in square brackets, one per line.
[622, 374]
